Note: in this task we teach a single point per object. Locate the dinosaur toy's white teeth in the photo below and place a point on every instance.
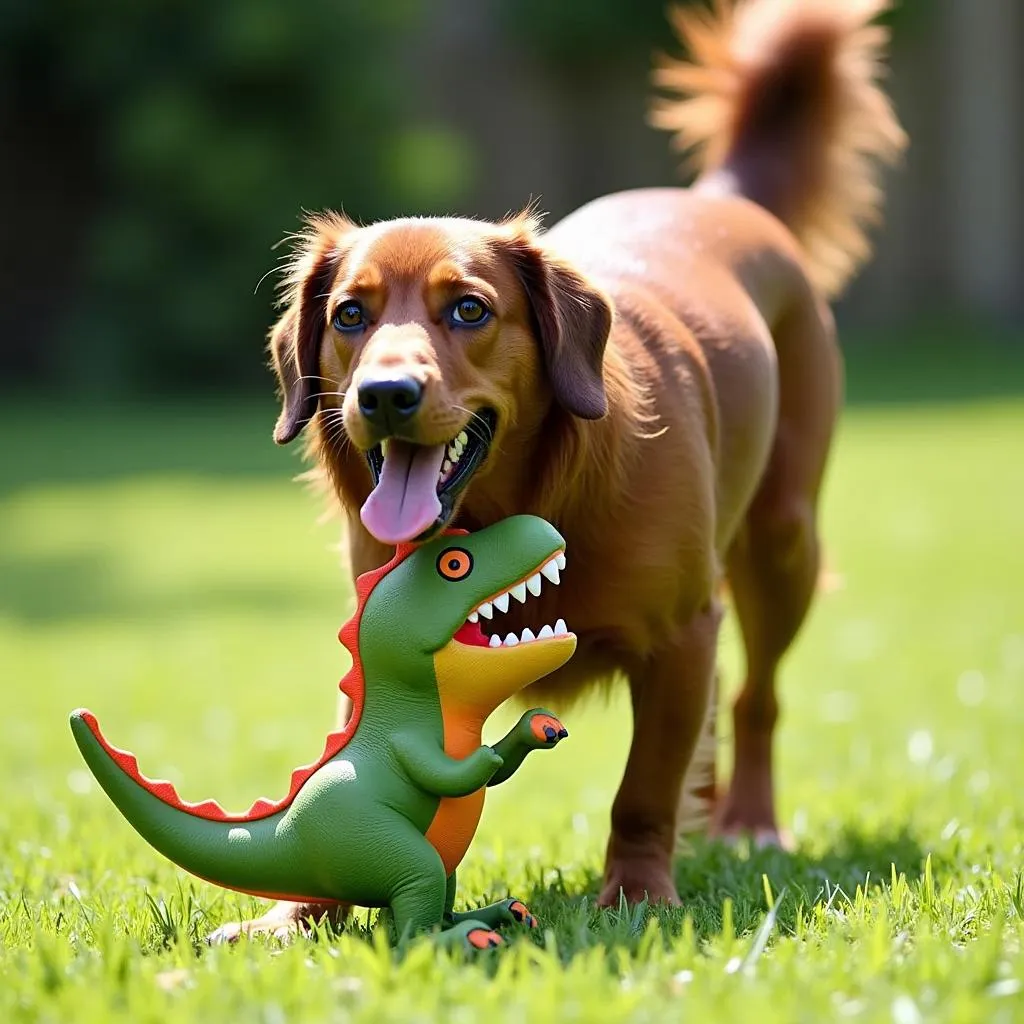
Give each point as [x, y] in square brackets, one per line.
[531, 587]
[550, 572]
[528, 636]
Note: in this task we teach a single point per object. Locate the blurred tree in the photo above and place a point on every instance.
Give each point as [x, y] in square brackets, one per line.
[207, 127]
[574, 35]
[157, 149]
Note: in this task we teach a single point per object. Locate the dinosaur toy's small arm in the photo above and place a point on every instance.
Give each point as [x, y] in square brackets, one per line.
[385, 815]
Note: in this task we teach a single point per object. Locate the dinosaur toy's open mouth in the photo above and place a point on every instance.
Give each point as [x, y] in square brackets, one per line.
[481, 669]
[472, 634]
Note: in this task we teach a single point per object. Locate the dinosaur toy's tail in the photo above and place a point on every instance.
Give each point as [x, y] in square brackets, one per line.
[247, 854]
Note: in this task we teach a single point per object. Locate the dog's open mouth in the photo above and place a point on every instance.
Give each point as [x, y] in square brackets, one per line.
[416, 486]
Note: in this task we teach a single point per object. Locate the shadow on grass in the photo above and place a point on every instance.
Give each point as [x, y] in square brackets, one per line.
[712, 877]
[716, 873]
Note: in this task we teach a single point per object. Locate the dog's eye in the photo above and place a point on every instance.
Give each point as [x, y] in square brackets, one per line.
[470, 312]
[455, 563]
[348, 317]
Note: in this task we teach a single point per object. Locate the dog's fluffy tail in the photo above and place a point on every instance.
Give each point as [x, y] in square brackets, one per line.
[781, 103]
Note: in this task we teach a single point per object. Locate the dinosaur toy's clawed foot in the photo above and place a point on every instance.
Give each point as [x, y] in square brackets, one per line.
[510, 911]
[519, 912]
[472, 935]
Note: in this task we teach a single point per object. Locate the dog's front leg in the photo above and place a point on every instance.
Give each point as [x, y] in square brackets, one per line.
[670, 691]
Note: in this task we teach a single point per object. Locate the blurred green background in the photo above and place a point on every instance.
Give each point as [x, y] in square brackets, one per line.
[154, 152]
[158, 563]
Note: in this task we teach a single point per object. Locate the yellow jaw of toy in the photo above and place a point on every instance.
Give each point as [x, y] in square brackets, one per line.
[484, 677]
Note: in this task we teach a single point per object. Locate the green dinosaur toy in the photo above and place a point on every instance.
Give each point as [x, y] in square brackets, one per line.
[386, 814]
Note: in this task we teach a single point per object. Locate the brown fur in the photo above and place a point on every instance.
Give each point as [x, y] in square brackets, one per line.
[679, 443]
[773, 85]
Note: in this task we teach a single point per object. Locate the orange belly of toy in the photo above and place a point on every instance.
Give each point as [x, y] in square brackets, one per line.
[455, 822]
[454, 826]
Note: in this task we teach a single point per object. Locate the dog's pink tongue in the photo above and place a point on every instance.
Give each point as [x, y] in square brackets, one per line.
[404, 503]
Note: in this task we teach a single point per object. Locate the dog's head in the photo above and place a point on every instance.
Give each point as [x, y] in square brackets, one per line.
[422, 343]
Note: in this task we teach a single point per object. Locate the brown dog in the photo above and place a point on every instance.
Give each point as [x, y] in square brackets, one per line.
[658, 376]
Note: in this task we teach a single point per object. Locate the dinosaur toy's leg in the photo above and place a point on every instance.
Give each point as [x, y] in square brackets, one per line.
[421, 895]
[510, 911]
[536, 729]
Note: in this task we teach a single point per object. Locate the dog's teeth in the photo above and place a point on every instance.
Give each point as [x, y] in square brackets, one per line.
[384, 447]
[458, 447]
[560, 628]
[501, 603]
[550, 572]
[511, 640]
[560, 559]
[495, 641]
[534, 583]
[463, 438]
[519, 592]
[446, 467]
[453, 453]
[527, 635]
[486, 610]
[474, 617]
[546, 633]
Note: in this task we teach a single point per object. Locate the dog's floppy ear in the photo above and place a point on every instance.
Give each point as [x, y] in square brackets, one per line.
[571, 319]
[295, 338]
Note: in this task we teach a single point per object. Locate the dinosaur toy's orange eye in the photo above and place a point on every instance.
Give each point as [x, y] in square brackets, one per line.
[455, 563]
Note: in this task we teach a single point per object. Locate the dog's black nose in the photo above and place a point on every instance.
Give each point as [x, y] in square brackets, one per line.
[388, 401]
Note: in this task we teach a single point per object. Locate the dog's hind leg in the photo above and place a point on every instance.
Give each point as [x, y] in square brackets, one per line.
[773, 562]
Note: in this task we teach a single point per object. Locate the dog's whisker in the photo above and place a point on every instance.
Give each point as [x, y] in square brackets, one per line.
[336, 442]
[333, 430]
[332, 417]
[279, 260]
[333, 414]
[481, 432]
[322, 380]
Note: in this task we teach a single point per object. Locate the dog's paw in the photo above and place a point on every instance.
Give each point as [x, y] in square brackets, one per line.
[229, 934]
[284, 922]
[638, 878]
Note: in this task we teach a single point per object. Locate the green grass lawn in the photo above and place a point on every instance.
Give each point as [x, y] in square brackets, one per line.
[162, 569]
